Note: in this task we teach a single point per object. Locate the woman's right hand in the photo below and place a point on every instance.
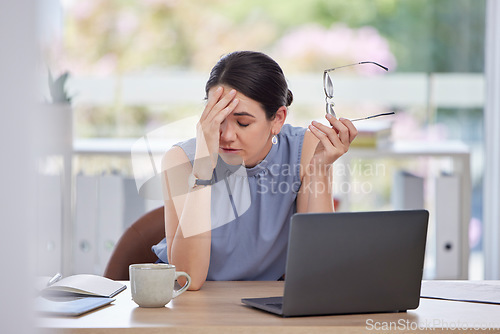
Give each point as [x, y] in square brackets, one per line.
[219, 106]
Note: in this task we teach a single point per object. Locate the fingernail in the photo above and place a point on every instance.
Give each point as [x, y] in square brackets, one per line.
[232, 92]
[341, 118]
[219, 89]
[329, 116]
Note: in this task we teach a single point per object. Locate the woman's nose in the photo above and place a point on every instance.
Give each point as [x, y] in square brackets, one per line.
[227, 132]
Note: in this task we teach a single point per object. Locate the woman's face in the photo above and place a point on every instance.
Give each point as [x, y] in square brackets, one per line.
[245, 135]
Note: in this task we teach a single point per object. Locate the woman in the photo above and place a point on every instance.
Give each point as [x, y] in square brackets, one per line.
[230, 192]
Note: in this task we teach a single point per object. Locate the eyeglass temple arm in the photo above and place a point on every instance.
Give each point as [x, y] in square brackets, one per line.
[373, 116]
[363, 62]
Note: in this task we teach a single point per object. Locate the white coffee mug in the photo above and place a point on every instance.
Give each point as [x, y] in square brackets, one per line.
[152, 284]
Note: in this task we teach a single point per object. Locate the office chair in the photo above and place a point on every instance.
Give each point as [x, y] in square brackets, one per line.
[134, 246]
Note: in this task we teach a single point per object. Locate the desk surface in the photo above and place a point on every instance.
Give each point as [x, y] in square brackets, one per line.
[216, 308]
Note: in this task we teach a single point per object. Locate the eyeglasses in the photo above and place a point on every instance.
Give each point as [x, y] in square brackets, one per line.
[328, 88]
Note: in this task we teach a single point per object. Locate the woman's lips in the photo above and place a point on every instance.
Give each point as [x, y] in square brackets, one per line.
[229, 150]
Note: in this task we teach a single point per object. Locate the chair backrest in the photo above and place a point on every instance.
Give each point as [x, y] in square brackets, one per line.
[135, 244]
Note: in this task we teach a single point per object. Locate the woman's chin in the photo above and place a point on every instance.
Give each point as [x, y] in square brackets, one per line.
[231, 159]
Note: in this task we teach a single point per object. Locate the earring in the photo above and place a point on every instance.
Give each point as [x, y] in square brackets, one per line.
[274, 140]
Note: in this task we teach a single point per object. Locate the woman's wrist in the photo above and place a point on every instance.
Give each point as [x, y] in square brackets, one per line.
[319, 171]
[318, 180]
[203, 168]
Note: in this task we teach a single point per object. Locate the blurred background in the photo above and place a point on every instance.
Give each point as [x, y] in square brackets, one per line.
[136, 68]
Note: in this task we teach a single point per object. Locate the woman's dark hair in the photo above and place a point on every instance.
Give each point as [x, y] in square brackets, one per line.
[256, 76]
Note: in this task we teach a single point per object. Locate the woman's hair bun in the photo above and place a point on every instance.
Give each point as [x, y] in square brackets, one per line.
[289, 98]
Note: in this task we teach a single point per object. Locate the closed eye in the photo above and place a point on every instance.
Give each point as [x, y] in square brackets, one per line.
[243, 125]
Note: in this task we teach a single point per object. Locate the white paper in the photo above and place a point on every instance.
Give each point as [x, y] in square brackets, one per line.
[467, 291]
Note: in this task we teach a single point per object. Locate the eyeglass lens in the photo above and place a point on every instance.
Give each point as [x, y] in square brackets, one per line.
[329, 109]
[328, 85]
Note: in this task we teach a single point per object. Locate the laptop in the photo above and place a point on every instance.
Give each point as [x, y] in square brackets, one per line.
[356, 262]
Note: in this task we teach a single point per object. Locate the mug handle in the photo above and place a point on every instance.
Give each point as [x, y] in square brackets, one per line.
[185, 287]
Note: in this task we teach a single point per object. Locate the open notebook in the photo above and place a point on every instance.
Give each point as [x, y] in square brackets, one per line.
[75, 295]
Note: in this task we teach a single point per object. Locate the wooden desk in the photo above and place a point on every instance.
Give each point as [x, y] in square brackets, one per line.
[216, 308]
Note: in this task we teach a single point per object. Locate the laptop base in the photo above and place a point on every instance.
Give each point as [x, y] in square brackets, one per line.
[269, 304]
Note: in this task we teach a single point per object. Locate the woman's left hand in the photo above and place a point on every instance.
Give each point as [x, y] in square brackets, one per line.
[334, 141]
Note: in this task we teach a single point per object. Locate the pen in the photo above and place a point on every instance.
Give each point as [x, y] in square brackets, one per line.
[54, 279]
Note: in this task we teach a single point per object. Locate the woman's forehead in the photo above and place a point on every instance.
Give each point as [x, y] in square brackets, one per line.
[245, 103]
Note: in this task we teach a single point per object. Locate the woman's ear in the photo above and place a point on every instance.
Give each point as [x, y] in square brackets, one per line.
[279, 119]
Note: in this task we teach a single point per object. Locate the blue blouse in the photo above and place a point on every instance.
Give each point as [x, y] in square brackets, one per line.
[251, 210]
